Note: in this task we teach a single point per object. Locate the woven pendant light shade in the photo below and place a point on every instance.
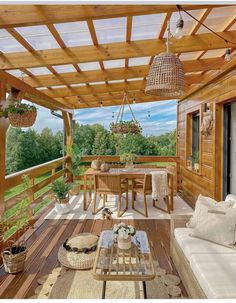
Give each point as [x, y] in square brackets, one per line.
[166, 76]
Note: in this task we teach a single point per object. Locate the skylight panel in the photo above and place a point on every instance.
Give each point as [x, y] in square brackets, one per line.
[116, 81]
[89, 66]
[39, 71]
[97, 83]
[68, 68]
[190, 56]
[114, 63]
[15, 72]
[146, 26]
[139, 61]
[77, 84]
[39, 37]
[189, 22]
[74, 33]
[58, 86]
[217, 19]
[110, 30]
[8, 44]
[135, 79]
[214, 53]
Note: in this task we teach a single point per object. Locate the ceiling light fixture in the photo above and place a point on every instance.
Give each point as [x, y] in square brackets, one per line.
[179, 27]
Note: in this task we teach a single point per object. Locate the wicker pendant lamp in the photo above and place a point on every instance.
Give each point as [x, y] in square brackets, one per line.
[166, 74]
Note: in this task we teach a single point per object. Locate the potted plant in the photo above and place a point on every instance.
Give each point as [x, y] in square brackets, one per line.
[22, 114]
[126, 127]
[61, 190]
[75, 154]
[124, 233]
[196, 161]
[128, 159]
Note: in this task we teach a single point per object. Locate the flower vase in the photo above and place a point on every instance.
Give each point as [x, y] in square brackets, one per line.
[124, 243]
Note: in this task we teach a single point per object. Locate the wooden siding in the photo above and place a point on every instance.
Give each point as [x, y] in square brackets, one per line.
[209, 180]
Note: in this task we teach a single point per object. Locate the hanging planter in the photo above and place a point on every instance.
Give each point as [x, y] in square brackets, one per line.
[22, 115]
[166, 74]
[125, 127]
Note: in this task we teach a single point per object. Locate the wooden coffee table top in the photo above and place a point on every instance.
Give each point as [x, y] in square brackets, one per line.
[114, 264]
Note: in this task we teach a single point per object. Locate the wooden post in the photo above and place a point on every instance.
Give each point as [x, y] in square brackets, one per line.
[67, 117]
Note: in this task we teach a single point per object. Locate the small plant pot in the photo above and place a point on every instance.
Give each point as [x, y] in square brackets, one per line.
[196, 167]
[123, 243]
[75, 190]
[62, 208]
[14, 259]
[129, 165]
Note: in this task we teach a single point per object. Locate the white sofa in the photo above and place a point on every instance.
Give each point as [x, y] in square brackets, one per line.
[208, 270]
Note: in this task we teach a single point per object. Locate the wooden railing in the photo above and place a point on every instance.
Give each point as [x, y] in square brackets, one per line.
[43, 175]
[39, 177]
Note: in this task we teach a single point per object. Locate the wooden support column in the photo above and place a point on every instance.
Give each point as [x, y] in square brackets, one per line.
[67, 118]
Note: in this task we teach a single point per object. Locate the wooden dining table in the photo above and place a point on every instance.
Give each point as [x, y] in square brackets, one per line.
[135, 173]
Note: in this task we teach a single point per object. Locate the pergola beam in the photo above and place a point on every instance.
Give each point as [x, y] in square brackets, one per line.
[119, 73]
[113, 51]
[28, 15]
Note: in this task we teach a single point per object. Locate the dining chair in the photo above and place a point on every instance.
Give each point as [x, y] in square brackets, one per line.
[144, 187]
[110, 184]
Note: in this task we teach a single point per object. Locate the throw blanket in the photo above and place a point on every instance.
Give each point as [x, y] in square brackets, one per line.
[159, 185]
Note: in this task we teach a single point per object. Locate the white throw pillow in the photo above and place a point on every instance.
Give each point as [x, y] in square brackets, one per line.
[231, 198]
[218, 226]
[201, 208]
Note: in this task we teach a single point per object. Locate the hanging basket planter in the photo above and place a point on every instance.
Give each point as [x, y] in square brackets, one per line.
[125, 127]
[22, 115]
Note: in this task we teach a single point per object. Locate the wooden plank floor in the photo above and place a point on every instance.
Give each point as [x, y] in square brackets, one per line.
[48, 235]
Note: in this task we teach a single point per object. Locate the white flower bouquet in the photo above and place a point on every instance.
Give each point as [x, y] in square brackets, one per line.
[124, 230]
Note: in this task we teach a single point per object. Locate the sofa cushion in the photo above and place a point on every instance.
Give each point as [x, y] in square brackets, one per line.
[202, 206]
[216, 274]
[232, 198]
[191, 245]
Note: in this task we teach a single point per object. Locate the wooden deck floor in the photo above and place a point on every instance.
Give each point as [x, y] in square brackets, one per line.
[45, 239]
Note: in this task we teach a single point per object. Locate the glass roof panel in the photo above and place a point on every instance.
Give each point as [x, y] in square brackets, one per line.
[8, 44]
[214, 53]
[64, 68]
[39, 37]
[189, 22]
[189, 56]
[15, 72]
[39, 71]
[114, 63]
[89, 66]
[218, 19]
[139, 61]
[79, 84]
[110, 30]
[146, 26]
[116, 81]
[74, 33]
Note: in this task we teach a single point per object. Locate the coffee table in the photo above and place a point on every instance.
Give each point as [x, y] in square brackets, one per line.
[114, 264]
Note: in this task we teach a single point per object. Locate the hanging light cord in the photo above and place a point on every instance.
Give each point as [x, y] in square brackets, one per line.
[219, 36]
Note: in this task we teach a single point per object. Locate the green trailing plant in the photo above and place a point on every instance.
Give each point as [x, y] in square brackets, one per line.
[75, 154]
[128, 158]
[20, 108]
[61, 188]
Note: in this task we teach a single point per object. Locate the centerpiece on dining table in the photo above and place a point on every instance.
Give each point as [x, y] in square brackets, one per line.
[128, 159]
[124, 233]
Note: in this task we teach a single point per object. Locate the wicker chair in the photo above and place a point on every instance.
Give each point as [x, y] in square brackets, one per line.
[110, 184]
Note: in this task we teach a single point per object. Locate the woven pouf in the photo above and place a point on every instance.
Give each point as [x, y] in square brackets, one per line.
[83, 258]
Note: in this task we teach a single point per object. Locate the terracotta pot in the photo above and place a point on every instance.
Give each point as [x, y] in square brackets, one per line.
[124, 243]
[75, 190]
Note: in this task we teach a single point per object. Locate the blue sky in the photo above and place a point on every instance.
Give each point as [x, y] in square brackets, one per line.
[162, 117]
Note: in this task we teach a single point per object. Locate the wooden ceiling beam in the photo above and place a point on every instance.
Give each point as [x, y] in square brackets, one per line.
[28, 15]
[113, 51]
[202, 18]
[39, 97]
[119, 73]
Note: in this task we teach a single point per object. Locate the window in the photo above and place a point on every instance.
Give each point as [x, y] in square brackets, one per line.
[193, 141]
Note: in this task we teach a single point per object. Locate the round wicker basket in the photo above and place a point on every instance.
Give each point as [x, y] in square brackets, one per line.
[26, 119]
[13, 263]
[166, 76]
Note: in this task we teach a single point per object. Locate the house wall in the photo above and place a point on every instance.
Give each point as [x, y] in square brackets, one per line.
[209, 179]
